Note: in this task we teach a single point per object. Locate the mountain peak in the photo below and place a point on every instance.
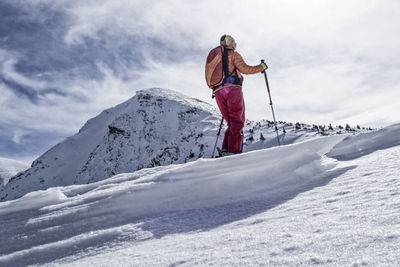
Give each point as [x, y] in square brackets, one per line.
[155, 127]
[168, 94]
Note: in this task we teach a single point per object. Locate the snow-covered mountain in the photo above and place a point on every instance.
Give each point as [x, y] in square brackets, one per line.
[330, 200]
[9, 168]
[156, 127]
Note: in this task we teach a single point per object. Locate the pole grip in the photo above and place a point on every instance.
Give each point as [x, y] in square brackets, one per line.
[263, 61]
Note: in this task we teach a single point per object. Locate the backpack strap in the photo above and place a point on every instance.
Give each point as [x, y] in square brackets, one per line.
[234, 74]
[225, 62]
[225, 65]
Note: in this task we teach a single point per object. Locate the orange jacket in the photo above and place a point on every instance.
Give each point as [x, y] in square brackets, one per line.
[236, 60]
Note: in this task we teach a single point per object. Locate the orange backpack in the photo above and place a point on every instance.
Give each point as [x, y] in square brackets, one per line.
[214, 67]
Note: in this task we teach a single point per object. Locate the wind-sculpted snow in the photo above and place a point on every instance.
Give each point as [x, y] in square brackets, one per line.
[286, 205]
[360, 145]
[34, 200]
[53, 218]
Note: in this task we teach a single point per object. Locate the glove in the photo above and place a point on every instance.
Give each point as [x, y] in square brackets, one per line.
[264, 66]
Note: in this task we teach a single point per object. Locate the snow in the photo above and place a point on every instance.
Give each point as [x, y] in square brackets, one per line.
[352, 220]
[9, 168]
[33, 200]
[356, 146]
[290, 205]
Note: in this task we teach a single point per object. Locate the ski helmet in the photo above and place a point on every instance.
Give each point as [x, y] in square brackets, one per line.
[227, 40]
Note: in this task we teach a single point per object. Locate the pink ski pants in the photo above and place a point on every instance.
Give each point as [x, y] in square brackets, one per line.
[231, 104]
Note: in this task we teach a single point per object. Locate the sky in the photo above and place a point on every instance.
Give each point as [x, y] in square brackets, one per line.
[63, 62]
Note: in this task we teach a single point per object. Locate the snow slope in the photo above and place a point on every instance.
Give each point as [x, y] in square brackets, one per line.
[156, 127]
[290, 205]
[359, 145]
[9, 168]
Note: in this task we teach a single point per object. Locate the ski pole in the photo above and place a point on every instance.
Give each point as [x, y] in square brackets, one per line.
[270, 100]
[219, 132]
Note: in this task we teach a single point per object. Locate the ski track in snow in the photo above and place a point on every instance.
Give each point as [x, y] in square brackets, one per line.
[281, 206]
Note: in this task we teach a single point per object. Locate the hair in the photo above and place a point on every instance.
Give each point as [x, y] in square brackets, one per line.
[222, 38]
